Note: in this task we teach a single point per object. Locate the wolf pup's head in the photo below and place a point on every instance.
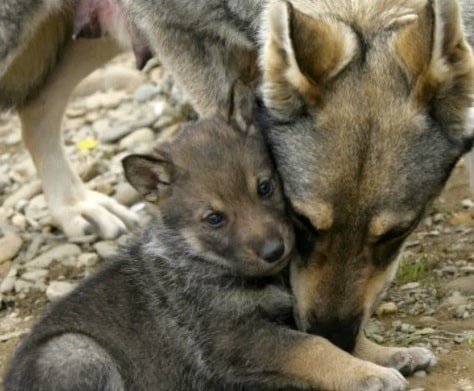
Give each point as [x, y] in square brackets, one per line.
[366, 106]
[217, 189]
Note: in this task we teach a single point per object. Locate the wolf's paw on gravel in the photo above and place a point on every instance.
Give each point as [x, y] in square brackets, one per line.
[411, 360]
[93, 213]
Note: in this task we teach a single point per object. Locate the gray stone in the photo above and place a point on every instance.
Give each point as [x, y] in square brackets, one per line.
[464, 285]
[19, 221]
[106, 248]
[143, 136]
[55, 254]
[410, 286]
[22, 286]
[10, 245]
[58, 289]
[24, 193]
[35, 275]
[88, 259]
[8, 284]
[146, 92]
[387, 309]
[125, 194]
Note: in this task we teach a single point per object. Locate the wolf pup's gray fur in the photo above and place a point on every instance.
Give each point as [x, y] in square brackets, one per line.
[367, 108]
[191, 304]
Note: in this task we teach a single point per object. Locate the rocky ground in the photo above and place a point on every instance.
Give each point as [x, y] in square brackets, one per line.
[117, 111]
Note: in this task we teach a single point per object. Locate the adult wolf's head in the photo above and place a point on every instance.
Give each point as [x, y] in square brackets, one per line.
[366, 106]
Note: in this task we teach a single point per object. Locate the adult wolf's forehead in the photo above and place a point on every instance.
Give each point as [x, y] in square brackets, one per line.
[364, 145]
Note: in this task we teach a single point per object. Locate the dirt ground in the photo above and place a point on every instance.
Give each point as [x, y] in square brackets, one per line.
[433, 294]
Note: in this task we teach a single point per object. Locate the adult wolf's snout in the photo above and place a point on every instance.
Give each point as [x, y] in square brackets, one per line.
[341, 332]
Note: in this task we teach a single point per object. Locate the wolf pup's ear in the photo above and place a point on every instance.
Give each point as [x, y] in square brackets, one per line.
[150, 176]
[238, 110]
[440, 64]
[300, 55]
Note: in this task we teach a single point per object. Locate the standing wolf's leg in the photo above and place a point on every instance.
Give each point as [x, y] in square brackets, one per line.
[75, 208]
[406, 360]
[66, 363]
[470, 164]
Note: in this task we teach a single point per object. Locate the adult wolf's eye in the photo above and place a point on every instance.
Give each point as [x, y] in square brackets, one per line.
[215, 219]
[265, 188]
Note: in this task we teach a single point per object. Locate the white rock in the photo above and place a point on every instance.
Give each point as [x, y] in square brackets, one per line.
[10, 245]
[125, 194]
[106, 248]
[410, 286]
[88, 259]
[24, 193]
[55, 254]
[146, 92]
[22, 286]
[58, 289]
[35, 275]
[143, 136]
[19, 221]
[8, 284]
[467, 203]
[387, 309]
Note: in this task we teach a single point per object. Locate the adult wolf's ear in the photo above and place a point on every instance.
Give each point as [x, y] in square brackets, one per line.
[300, 55]
[150, 176]
[440, 63]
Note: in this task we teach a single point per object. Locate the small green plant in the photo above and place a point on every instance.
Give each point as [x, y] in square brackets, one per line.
[414, 270]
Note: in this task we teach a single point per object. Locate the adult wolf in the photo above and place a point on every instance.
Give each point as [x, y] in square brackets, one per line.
[366, 106]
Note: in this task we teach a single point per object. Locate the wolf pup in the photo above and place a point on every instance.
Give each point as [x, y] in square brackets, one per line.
[193, 303]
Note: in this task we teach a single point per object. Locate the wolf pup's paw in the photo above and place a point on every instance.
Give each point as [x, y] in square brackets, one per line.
[410, 360]
[384, 379]
[92, 212]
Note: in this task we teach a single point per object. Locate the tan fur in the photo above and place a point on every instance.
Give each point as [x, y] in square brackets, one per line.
[321, 214]
[37, 58]
[302, 359]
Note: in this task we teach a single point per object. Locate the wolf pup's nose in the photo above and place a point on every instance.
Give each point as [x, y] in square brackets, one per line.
[272, 250]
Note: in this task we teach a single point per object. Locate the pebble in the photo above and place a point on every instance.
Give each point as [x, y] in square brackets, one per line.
[420, 374]
[105, 248]
[410, 286]
[58, 289]
[19, 221]
[467, 203]
[464, 285]
[35, 275]
[22, 286]
[387, 309]
[10, 246]
[139, 137]
[8, 284]
[145, 92]
[88, 259]
[126, 194]
[417, 389]
[57, 253]
[425, 331]
[455, 299]
[407, 328]
[26, 192]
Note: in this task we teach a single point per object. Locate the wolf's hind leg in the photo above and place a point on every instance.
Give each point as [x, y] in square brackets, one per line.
[405, 360]
[75, 208]
[76, 362]
[70, 362]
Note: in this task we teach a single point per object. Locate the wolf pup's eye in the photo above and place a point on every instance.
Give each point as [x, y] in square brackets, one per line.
[215, 219]
[265, 188]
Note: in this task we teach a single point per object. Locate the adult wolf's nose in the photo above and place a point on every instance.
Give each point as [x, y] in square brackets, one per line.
[342, 333]
[272, 250]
